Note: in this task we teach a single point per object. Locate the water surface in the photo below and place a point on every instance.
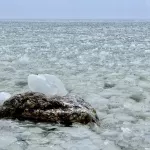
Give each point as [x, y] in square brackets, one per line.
[107, 63]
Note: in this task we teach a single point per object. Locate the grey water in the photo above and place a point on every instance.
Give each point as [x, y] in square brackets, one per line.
[106, 63]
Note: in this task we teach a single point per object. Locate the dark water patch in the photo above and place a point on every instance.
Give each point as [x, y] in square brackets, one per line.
[108, 85]
[21, 83]
[10, 69]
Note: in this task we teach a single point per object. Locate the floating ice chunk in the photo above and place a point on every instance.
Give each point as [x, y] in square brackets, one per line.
[51, 79]
[145, 85]
[125, 117]
[110, 134]
[138, 96]
[110, 146]
[3, 97]
[106, 142]
[6, 141]
[108, 93]
[133, 45]
[147, 51]
[98, 102]
[37, 83]
[104, 53]
[47, 84]
[126, 130]
[24, 59]
[128, 105]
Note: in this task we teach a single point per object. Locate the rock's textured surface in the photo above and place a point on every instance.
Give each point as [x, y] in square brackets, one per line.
[39, 108]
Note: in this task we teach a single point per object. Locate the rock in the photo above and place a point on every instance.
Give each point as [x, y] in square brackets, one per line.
[40, 108]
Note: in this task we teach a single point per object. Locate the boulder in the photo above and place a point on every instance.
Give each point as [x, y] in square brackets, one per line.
[38, 107]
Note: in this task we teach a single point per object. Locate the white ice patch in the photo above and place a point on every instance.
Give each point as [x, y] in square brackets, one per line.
[147, 51]
[47, 84]
[110, 146]
[126, 130]
[97, 102]
[3, 97]
[24, 59]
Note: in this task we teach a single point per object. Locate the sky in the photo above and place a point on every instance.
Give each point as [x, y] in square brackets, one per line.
[74, 9]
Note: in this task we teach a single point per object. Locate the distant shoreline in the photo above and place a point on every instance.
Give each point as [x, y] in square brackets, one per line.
[74, 20]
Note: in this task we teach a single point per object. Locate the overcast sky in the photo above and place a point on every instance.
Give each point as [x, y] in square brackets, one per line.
[74, 9]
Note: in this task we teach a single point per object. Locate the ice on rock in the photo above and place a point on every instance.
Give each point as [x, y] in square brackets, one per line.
[47, 84]
[3, 97]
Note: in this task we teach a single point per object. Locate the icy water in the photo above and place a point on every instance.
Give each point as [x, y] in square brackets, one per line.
[107, 63]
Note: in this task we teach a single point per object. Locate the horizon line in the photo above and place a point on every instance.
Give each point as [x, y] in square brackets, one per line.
[79, 19]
